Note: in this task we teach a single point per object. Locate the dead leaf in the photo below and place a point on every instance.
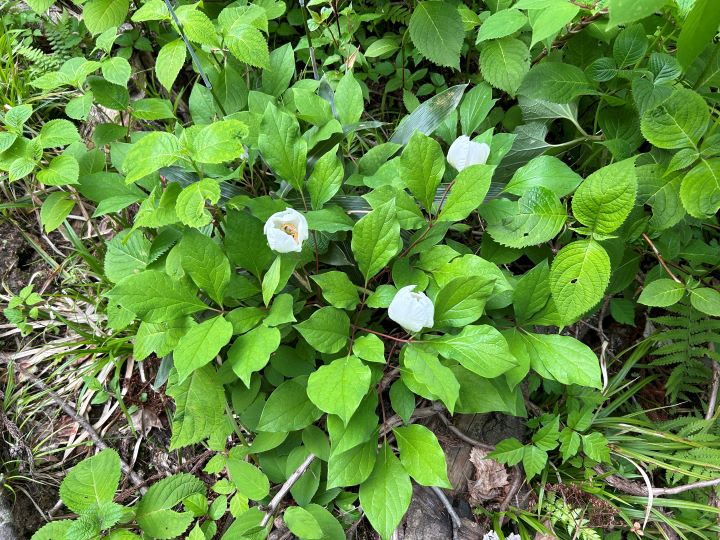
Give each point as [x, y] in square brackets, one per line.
[144, 420]
[491, 478]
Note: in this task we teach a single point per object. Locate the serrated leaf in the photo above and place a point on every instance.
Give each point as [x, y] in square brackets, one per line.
[700, 189]
[190, 205]
[91, 482]
[152, 152]
[500, 24]
[58, 132]
[422, 456]
[627, 11]
[556, 82]
[630, 46]
[220, 141]
[62, 171]
[385, 495]
[154, 511]
[504, 63]
[579, 276]
[436, 29]
[127, 253]
[606, 197]
[56, 207]
[706, 300]
[248, 45]
[534, 460]
[99, 15]
[677, 122]
[596, 447]
[170, 60]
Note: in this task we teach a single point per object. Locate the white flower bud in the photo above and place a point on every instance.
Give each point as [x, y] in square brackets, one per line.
[463, 152]
[286, 231]
[413, 311]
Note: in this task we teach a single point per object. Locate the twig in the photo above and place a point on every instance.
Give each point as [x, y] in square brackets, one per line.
[134, 477]
[660, 259]
[454, 518]
[460, 435]
[289, 483]
[514, 488]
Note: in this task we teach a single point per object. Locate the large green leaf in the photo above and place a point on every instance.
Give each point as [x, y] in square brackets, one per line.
[152, 152]
[677, 122]
[154, 511]
[422, 165]
[606, 198]
[422, 456]
[480, 349]
[248, 45]
[99, 15]
[698, 31]
[627, 11]
[376, 239]
[662, 293]
[170, 61]
[251, 351]
[127, 253]
[200, 345]
[544, 171]
[218, 142]
[468, 191]
[462, 300]
[547, 22]
[56, 207]
[288, 408]
[427, 370]
[327, 329]
[700, 189]
[339, 387]
[249, 480]
[579, 276]
[556, 82]
[436, 29]
[385, 496]
[500, 24]
[504, 63]
[91, 482]
[282, 147]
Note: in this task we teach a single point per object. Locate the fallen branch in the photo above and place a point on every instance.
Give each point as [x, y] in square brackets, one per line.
[287, 486]
[454, 518]
[460, 435]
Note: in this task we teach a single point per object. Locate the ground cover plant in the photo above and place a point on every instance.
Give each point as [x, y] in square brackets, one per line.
[281, 261]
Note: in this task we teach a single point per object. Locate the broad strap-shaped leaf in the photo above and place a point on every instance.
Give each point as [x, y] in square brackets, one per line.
[385, 496]
[606, 197]
[579, 276]
[339, 387]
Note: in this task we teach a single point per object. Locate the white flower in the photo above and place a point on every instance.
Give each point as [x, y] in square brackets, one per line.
[413, 311]
[463, 152]
[492, 535]
[286, 231]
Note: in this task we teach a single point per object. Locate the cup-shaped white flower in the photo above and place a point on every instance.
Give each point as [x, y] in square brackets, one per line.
[286, 231]
[412, 310]
[463, 152]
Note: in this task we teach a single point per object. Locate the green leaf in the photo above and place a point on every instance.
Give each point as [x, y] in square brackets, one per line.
[467, 193]
[152, 152]
[535, 218]
[99, 15]
[302, 523]
[556, 82]
[544, 171]
[385, 496]
[427, 370]
[534, 460]
[596, 447]
[248, 45]
[63, 170]
[288, 408]
[200, 345]
[508, 451]
[547, 22]
[170, 61]
[251, 351]
[246, 244]
[630, 46]
[698, 31]
[376, 239]
[421, 166]
[480, 349]
[462, 300]
[500, 24]
[54, 529]
[117, 70]
[606, 198]
[199, 407]
[436, 29]
[700, 189]
[563, 359]
[504, 63]
[662, 293]
[56, 207]
[58, 132]
[190, 206]
[154, 297]
[369, 348]
[107, 94]
[352, 466]
[40, 6]
[220, 141]
[154, 512]
[271, 280]
[381, 47]
[623, 12]
[339, 387]
[127, 253]
[152, 109]
[325, 180]
[206, 263]
[475, 107]
[276, 79]
[429, 115]
[92, 481]
[481, 395]
[422, 456]
[579, 276]
[338, 289]
[348, 99]
[326, 330]
[282, 147]
[678, 122]
[706, 300]
[249, 480]
[16, 116]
